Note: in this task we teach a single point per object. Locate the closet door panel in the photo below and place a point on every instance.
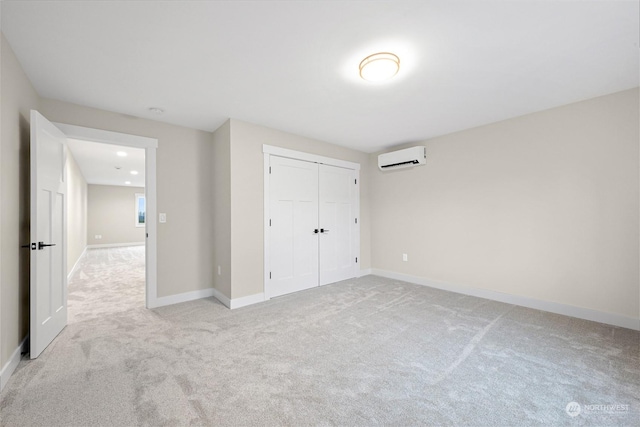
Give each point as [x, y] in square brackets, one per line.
[294, 217]
[337, 219]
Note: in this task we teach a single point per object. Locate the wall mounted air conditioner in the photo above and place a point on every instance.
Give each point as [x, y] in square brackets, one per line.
[414, 156]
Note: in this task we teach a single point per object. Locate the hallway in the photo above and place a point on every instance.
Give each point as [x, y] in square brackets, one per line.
[107, 281]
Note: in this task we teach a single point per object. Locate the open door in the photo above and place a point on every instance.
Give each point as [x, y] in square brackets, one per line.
[48, 280]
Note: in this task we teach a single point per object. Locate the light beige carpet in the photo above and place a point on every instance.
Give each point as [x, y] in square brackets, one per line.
[364, 352]
[107, 281]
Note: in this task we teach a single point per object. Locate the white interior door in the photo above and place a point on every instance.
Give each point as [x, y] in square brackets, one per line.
[337, 188]
[48, 280]
[293, 214]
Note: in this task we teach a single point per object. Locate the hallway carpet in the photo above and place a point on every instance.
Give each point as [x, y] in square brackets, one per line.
[107, 281]
[368, 351]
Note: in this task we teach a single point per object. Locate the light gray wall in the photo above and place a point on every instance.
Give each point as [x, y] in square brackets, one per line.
[76, 212]
[184, 177]
[221, 193]
[543, 206]
[247, 199]
[18, 98]
[111, 214]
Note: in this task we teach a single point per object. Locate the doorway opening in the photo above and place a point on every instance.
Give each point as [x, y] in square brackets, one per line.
[141, 208]
[49, 220]
[106, 217]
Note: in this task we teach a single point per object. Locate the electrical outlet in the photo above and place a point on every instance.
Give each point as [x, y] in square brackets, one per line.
[98, 236]
[219, 271]
[405, 257]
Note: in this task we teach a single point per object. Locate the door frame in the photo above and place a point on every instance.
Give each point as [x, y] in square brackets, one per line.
[270, 150]
[149, 145]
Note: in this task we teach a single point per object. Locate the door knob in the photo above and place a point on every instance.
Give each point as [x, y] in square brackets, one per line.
[315, 231]
[42, 245]
[324, 230]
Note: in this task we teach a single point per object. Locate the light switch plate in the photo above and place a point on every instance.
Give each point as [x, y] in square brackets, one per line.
[163, 217]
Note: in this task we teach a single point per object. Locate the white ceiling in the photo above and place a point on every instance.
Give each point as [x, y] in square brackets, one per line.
[100, 163]
[293, 65]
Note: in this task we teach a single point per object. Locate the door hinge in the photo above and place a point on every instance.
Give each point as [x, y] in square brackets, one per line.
[356, 260]
[355, 181]
[269, 222]
[269, 275]
[356, 220]
[269, 169]
[147, 235]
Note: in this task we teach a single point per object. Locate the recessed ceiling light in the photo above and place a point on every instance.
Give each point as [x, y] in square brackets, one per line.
[379, 67]
[156, 110]
[121, 154]
[134, 172]
[128, 182]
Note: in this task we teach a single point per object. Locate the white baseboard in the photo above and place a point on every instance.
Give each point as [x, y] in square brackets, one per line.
[75, 266]
[9, 368]
[206, 293]
[245, 301]
[553, 307]
[184, 297]
[114, 245]
[238, 302]
[221, 297]
[365, 272]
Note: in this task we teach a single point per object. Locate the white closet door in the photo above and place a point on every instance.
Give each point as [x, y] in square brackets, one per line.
[294, 219]
[337, 224]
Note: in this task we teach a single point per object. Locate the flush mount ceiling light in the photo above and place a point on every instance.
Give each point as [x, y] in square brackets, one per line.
[134, 172]
[121, 154]
[156, 110]
[379, 67]
[128, 182]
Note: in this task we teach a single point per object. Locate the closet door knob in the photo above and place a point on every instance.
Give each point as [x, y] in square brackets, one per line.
[324, 230]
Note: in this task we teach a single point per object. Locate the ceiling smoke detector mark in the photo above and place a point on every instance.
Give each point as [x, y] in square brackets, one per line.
[156, 110]
[118, 167]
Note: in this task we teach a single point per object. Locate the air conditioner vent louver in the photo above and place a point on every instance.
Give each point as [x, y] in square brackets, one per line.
[412, 162]
[414, 156]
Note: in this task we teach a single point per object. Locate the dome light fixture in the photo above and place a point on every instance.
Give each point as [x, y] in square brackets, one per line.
[379, 67]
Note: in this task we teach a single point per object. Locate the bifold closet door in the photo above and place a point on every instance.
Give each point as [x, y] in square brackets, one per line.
[337, 223]
[294, 219]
